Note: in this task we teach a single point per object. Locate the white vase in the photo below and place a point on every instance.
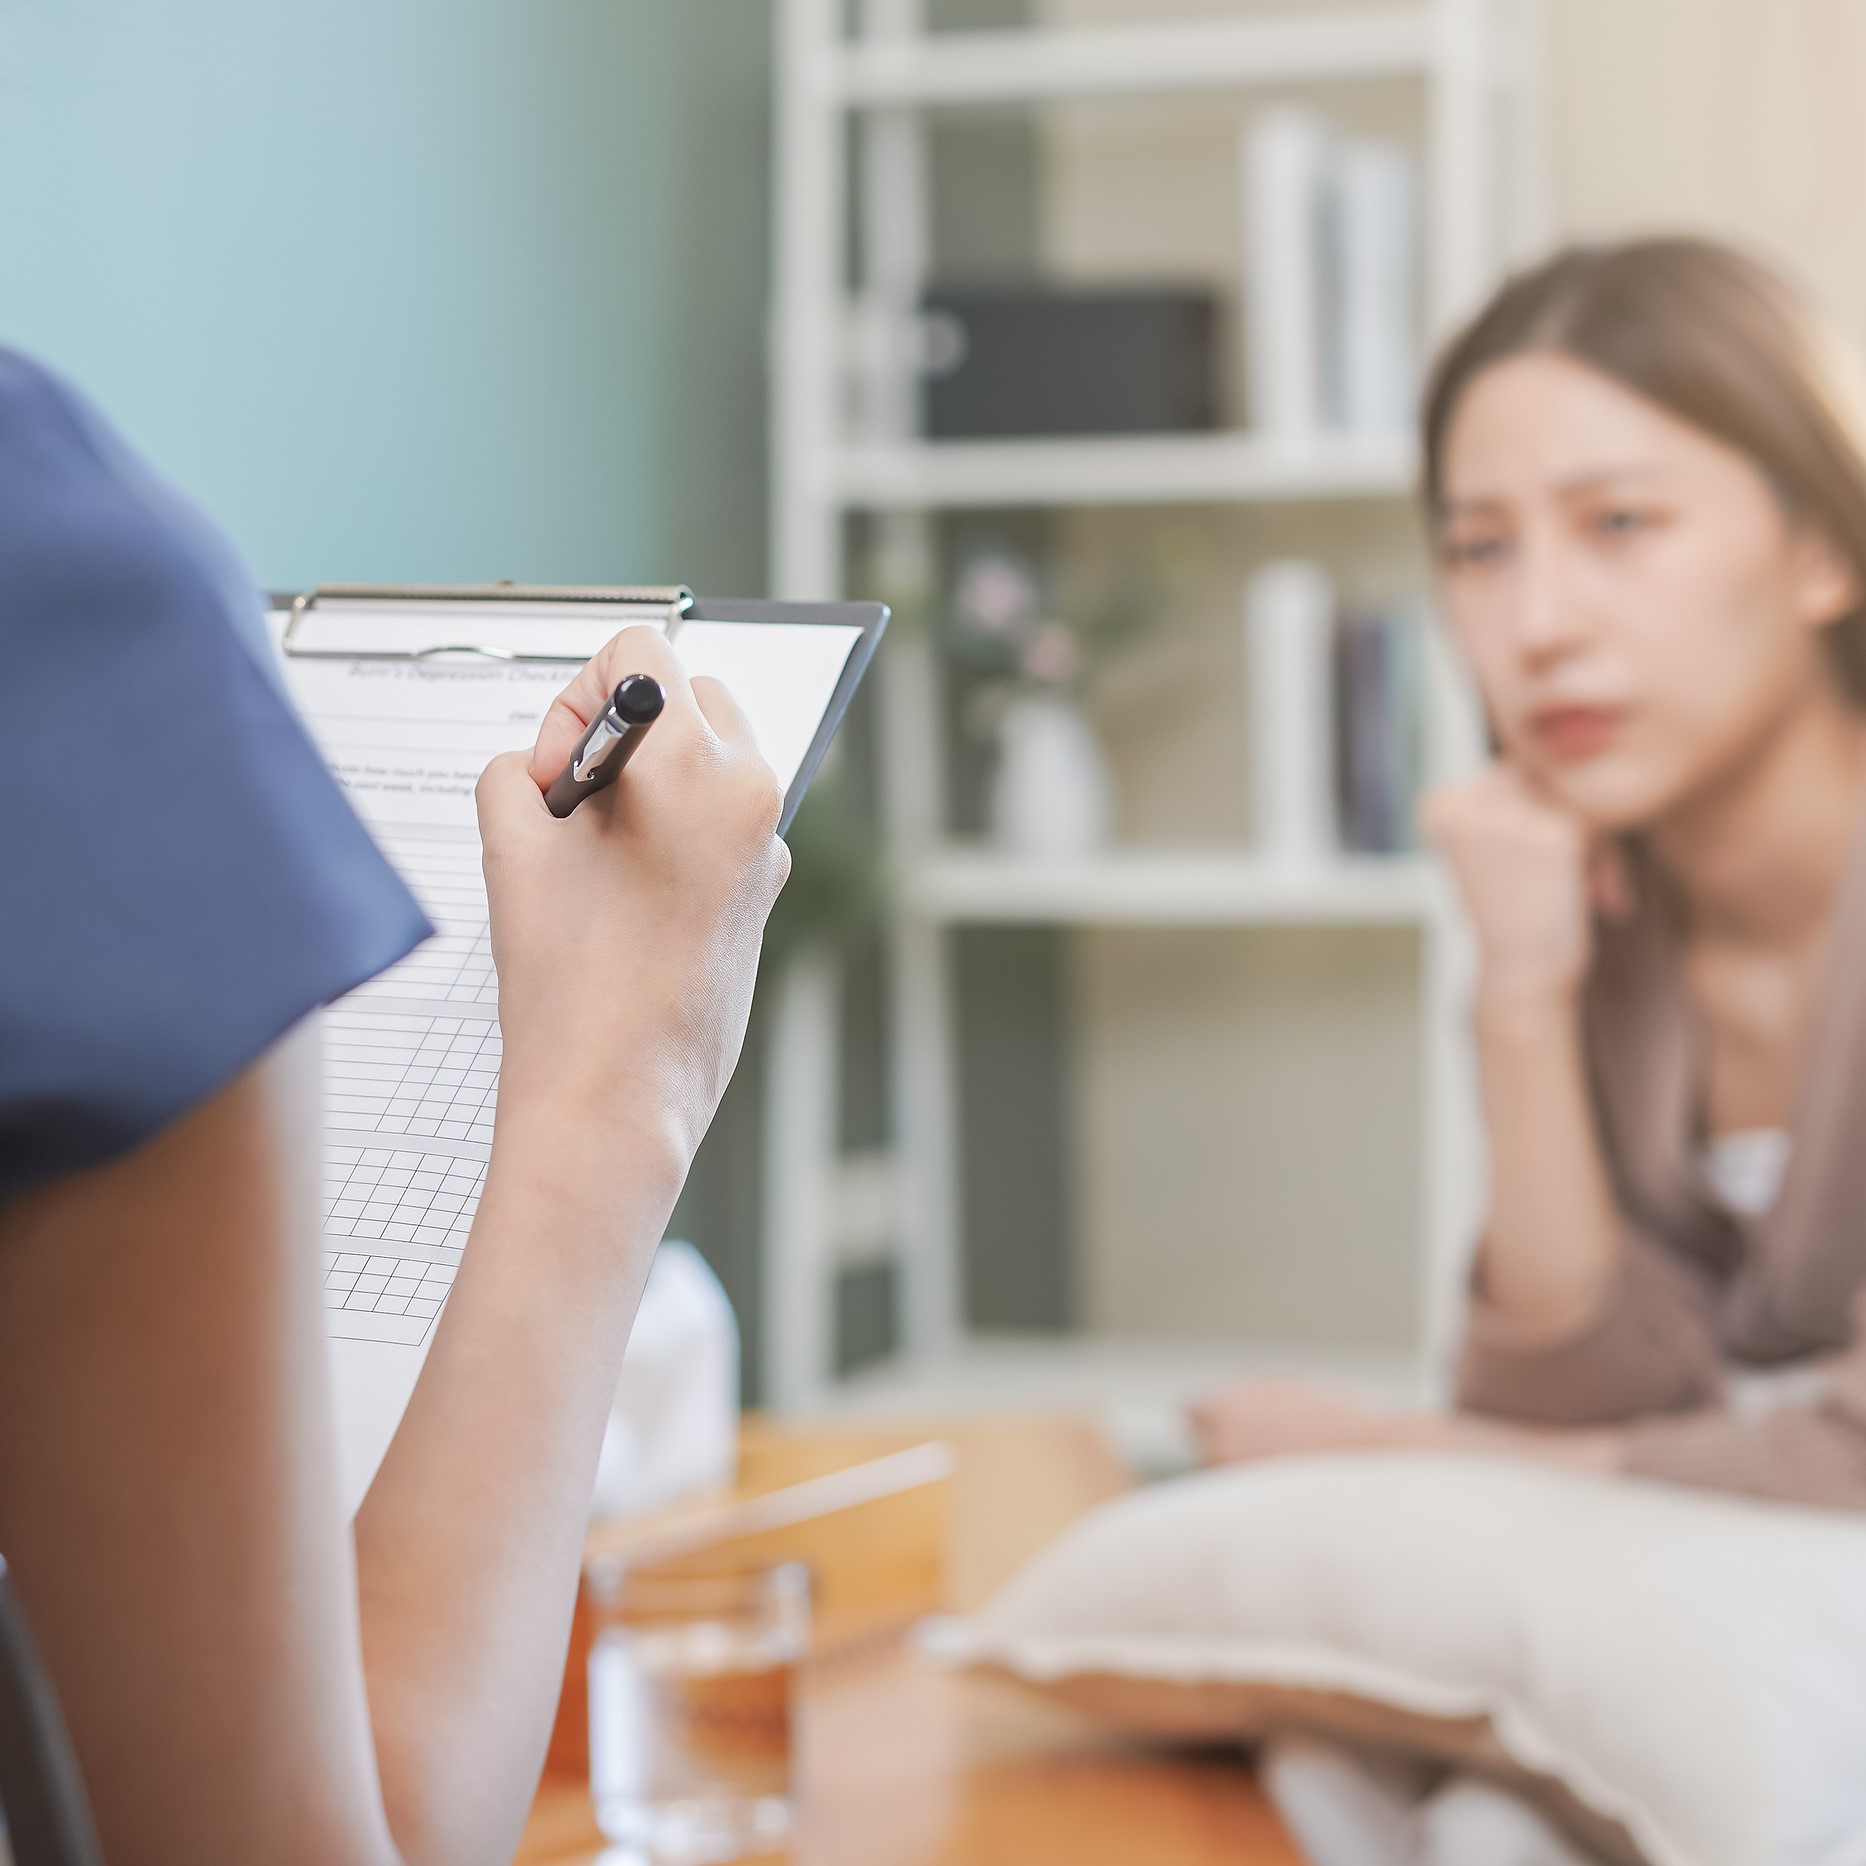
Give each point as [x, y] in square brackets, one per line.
[1051, 795]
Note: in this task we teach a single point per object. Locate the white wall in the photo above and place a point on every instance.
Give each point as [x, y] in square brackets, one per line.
[1745, 118]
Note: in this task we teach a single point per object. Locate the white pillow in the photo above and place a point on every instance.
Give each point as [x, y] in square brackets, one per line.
[1681, 1676]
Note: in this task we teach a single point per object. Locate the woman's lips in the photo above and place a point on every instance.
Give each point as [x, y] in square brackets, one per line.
[1575, 732]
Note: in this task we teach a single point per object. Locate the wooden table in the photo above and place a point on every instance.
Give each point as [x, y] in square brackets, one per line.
[904, 1764]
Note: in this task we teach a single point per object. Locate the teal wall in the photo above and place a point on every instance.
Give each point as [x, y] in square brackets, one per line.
[458, 289]
[409, 289]
[420, 290]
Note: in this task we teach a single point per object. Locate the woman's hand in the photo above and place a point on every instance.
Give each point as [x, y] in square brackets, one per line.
[627, 934]
[1528, 880]
[1252, 1420]
[1553, 1241]
[1286, 1418]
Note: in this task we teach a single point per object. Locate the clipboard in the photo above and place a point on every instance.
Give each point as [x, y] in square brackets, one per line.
[427, 618]
[406, 691]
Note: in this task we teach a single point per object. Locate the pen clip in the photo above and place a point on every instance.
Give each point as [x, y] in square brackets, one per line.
[590, 759]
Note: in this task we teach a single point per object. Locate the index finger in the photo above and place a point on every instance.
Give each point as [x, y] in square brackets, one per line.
[1527, 784]
[638, 650]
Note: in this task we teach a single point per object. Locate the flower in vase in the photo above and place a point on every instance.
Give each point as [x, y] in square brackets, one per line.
[997, 595]
[1052, 656]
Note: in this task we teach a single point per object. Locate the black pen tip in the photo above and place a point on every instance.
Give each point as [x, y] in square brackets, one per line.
[638, 699]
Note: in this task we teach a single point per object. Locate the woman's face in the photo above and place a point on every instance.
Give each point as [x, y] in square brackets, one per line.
[1639, 610]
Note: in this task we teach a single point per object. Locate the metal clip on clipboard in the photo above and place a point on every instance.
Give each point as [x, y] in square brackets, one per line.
[409, 603]
[561, 624]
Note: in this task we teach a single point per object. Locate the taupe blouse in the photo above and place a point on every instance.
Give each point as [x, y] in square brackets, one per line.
[1700, 1286]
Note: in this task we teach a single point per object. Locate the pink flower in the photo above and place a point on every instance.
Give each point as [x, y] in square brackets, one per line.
[996, 594]
[1052, 656]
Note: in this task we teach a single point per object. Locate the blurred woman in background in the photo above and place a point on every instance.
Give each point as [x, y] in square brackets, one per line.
[1645, 479]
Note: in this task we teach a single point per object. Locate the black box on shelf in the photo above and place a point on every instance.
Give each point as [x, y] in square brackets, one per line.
[1039, 361]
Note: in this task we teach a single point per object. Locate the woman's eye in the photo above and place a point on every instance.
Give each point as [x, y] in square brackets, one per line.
[1475, 550]
[1621, 521]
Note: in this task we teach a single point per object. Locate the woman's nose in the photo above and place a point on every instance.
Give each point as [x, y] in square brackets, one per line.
[1549, 619]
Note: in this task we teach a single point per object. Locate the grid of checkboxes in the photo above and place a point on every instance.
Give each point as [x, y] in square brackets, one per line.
[390, 1073]
[396, 1197]
[455, 966]
[374, 1199]
[385, 1285]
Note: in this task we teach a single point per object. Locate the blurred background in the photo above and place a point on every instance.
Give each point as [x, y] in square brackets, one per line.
[1109, 1035]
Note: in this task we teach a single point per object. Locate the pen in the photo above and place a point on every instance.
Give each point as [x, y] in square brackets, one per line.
[608, 744]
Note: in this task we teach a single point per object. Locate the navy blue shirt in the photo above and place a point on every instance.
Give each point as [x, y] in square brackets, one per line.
[181, 880]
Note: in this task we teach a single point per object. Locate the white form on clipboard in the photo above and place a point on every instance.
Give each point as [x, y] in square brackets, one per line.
[411, 1059]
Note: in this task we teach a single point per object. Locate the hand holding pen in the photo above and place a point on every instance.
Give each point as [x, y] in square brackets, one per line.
[628, 933]
[608, 743]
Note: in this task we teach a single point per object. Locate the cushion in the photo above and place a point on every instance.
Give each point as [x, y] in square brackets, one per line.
[1679, 1677]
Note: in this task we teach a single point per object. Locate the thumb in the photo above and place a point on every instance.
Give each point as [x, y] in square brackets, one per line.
[507, 796]
[1610, 882]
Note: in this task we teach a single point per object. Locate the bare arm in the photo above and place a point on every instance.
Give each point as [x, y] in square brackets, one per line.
[167, 1479]
[1811, 1455]
[168, 1494]
[1554, 1247]
[1252, 1420]
[624, 987]
[469, 1541]
[1552, 1244]
[1551, 1248]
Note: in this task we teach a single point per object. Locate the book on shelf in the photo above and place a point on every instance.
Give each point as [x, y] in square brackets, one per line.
[1370, 342]
[1379, 708]
[1331, 279]
[1335, 717]
[1289, 625]
[1284, 160]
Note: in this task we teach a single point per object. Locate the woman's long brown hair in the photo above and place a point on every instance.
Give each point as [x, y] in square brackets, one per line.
[1717, 339]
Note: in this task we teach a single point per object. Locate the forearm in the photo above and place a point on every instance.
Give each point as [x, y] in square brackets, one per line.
[1813, 1456]
[469, 1542]
[1280, 1418]
[1599, 1449]
[626, 941]
[1553, 1241]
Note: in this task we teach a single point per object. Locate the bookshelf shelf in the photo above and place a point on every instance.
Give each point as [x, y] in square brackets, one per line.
[1170, 887]
[1191, 469]
[1035, 66]
[854, 250]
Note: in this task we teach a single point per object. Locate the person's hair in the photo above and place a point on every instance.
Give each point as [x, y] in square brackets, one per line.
[1715, 338]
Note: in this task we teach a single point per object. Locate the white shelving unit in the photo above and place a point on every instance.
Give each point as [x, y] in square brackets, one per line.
[1192, 469]
[843, 442]
[1168, 888]
[889, 70]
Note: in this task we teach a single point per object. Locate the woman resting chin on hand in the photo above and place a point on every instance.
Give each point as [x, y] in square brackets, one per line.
[1531, 884]
[1647, 490]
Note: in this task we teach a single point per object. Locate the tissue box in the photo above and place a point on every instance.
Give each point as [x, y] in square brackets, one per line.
[674, 1427]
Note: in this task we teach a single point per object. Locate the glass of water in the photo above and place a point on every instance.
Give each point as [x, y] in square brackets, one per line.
[693, 1686]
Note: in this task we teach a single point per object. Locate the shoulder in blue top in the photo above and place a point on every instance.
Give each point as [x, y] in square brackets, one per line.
[181, 880]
